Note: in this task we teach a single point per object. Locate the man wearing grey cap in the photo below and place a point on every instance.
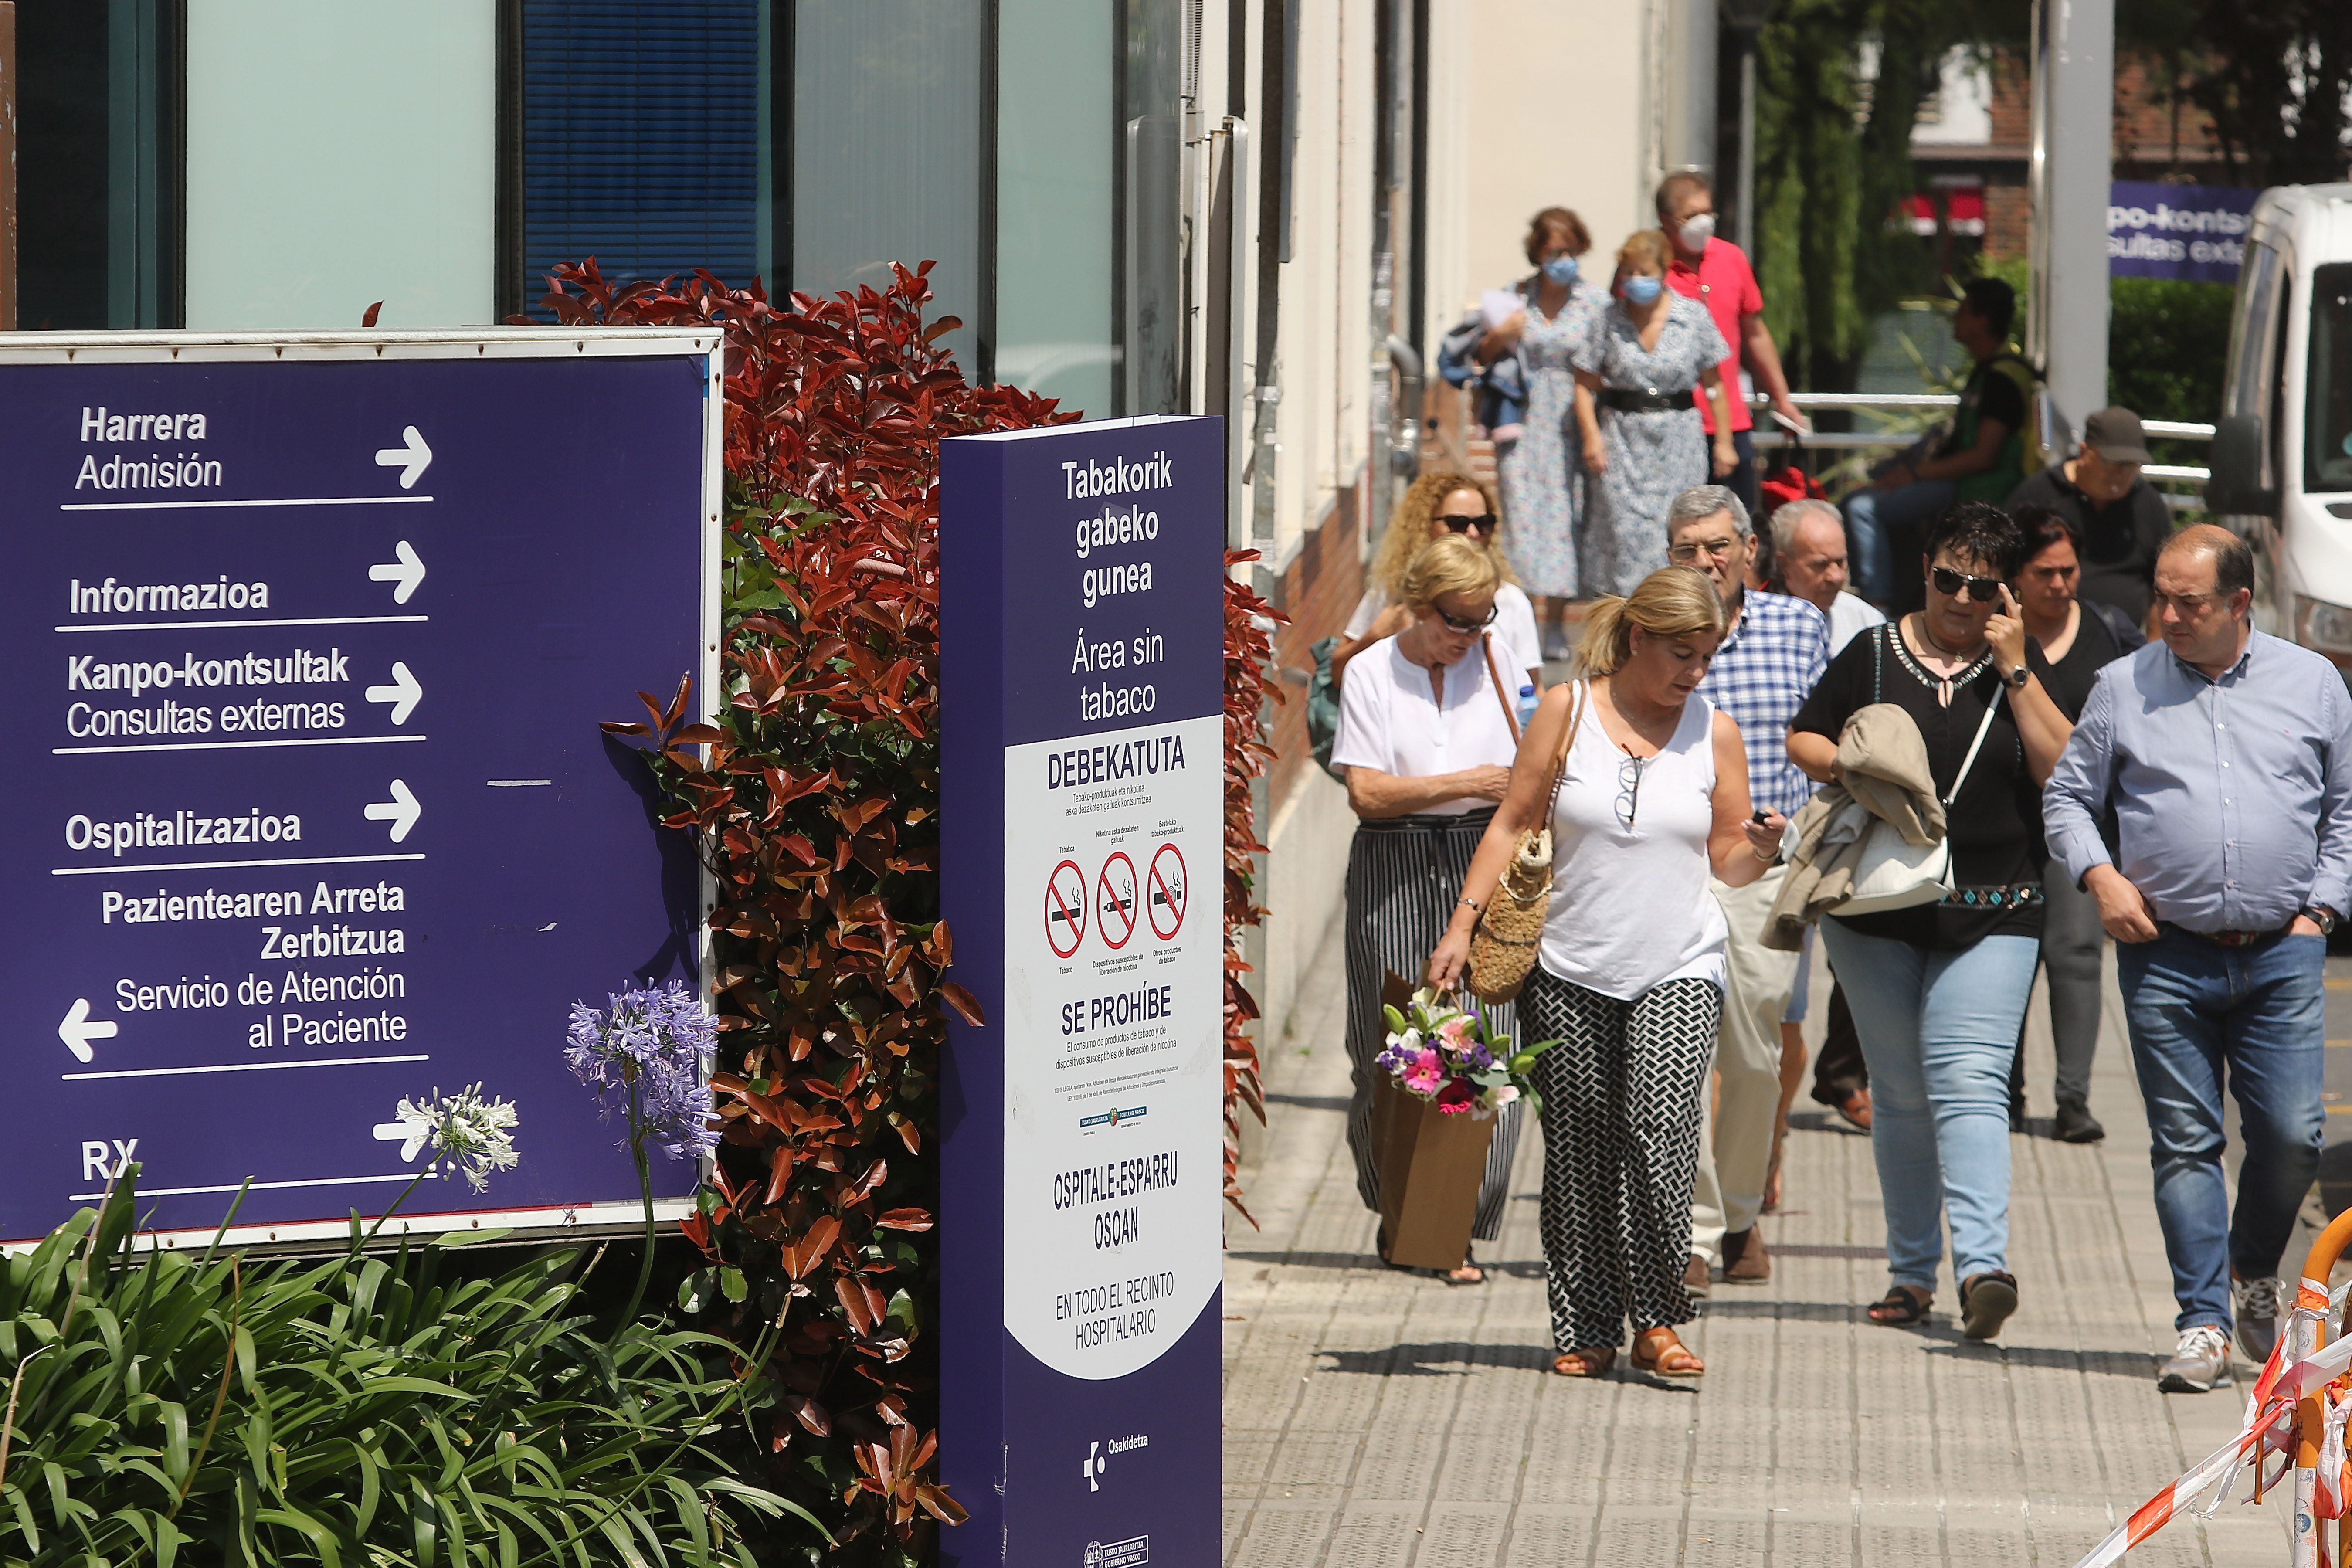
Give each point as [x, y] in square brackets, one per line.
[2122, 521]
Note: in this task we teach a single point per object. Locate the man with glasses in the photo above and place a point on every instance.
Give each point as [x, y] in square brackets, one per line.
[1763, 671]
[2225, 755]
[2121, 520]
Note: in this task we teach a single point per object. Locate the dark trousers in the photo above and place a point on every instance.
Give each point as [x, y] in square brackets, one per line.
[1839, 1071]
[2072, 942]
[1742, 481]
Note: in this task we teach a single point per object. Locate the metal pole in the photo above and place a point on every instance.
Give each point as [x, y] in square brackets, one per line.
[7, 165]
[2037, 189]
[1745, 210]
[2081, 109]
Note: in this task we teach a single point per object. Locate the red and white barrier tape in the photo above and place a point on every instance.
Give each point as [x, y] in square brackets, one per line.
[2269, 1428]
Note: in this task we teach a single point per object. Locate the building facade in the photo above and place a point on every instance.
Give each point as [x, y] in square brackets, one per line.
[1266, 209]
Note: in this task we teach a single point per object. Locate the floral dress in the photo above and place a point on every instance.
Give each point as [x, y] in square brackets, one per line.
[1653, 457]
[1542, 472]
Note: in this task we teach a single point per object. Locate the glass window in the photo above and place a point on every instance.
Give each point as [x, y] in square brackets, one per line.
[641, 137]
[1056, 208]
[889, 152]
[98, 164]
[1152, 270]
[2249, 334]
[2328, 416]
[337, 155]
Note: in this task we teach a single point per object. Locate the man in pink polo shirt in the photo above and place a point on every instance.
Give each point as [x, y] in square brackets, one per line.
[1715, 273]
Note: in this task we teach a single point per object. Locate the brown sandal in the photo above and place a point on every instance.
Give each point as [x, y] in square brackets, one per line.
[1667, 1356]
[1902, 1306]
[1589, 1361]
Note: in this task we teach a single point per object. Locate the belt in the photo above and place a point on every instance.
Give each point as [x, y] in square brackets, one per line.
[1996, 896]
[1644, 400]
[2228, 938]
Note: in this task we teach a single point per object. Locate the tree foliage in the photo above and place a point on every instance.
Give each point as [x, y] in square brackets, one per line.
[2273, 78]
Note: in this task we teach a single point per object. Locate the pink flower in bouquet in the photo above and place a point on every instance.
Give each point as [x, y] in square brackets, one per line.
[1457, 1097]
[1426, 1074]
[1457, 1032]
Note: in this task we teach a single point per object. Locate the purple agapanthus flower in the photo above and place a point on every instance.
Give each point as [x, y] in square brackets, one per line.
[648, 1055]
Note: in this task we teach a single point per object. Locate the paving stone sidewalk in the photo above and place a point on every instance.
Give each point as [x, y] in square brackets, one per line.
[1376, 1418]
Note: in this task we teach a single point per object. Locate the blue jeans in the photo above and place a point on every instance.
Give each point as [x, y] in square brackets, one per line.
[2200, 1013]
[1881, 526]
[1938, 1031]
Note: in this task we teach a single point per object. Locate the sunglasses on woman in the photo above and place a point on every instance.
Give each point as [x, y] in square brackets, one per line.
[1460, 523]
[1983, 590]
[1464, 623]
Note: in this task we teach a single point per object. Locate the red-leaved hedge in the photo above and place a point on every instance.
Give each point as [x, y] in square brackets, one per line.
[814, 802]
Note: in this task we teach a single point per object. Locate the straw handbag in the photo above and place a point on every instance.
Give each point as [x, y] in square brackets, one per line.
[1503, 947]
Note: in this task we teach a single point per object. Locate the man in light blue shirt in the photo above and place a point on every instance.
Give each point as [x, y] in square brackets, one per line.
[2226, 757]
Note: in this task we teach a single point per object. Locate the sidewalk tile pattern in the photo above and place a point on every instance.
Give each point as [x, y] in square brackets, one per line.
[1377, 1419]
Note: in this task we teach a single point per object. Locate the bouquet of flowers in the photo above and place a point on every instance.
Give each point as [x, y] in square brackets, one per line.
[1438, 1052]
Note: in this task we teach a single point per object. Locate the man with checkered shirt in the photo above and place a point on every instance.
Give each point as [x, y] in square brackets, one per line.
[1765, 667]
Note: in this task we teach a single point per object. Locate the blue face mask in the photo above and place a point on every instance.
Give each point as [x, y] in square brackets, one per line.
[1560, 270]
[1641, 287]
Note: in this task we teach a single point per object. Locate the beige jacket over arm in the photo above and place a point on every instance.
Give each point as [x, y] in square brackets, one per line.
[1883, 775]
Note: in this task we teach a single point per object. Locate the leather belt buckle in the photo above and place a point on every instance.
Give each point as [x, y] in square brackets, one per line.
[2237, 938]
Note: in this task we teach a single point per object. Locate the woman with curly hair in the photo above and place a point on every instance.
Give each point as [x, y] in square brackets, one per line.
[1435, 505]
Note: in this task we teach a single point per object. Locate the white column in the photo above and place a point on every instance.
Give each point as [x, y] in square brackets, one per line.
[2079, 104]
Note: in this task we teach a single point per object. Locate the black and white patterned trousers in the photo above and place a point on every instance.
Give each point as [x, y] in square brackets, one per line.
[1404, 875]
[1621, 1125]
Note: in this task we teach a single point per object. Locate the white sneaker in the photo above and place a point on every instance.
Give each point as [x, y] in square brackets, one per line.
[2255, 1305]
[2202, 1362]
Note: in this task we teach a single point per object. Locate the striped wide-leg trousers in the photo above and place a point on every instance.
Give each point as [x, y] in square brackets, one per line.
[1621, 1123]
[1404, 875]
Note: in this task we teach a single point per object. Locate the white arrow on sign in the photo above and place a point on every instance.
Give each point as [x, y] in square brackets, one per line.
[411, 1138]
[401, 810]
[410, 459]
[404, 693]
[79, 1030]
[408, 572]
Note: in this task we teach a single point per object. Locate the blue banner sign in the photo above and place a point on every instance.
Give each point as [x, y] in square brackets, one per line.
[310, 814]
[2194, 233]
[1082, 842]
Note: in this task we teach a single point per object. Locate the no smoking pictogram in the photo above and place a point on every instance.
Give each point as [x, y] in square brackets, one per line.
[1065, 909]
[1163, 902]
[1115, 897]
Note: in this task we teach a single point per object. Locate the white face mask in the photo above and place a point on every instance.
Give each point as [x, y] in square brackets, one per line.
[1698, 231]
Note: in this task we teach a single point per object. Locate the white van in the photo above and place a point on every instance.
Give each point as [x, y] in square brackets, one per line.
[2282, 462]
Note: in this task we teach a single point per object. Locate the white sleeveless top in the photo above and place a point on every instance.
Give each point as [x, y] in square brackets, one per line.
[1631, 906]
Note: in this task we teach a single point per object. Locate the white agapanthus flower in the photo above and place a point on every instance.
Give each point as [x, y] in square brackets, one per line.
[472, 1133]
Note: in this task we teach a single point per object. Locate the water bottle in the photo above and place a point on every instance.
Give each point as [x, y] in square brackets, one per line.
[1526, 706]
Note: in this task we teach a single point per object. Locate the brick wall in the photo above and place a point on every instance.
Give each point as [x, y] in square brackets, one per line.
[1318, 593]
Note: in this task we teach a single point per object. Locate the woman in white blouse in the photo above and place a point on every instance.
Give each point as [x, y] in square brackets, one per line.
[1426, 737]
[1433, 506]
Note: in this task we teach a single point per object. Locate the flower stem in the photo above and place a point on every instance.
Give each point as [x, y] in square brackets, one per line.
[644, 1191]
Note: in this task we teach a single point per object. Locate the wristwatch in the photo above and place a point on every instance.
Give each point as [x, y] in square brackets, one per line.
[2321, 916]
[2016, 679]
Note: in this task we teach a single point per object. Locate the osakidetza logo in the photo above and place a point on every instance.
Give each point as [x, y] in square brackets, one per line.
[1098, 1457]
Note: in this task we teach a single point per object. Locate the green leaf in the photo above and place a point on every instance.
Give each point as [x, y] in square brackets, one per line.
[730, 1280]
[469, 1237]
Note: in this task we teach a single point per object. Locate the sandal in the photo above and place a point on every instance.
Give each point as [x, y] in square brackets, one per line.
[1589, 1361]
[1667, 1356]
[1468, 1274]
[1772, 1186]
[1986, 1301]
[1902, 1306]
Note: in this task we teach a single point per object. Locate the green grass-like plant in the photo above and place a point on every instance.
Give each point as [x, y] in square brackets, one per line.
[366, 1409]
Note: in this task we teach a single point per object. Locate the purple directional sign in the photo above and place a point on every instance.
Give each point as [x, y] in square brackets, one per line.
[308, 811]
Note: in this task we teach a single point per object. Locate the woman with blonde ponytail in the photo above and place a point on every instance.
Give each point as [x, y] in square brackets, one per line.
[1651, 796]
